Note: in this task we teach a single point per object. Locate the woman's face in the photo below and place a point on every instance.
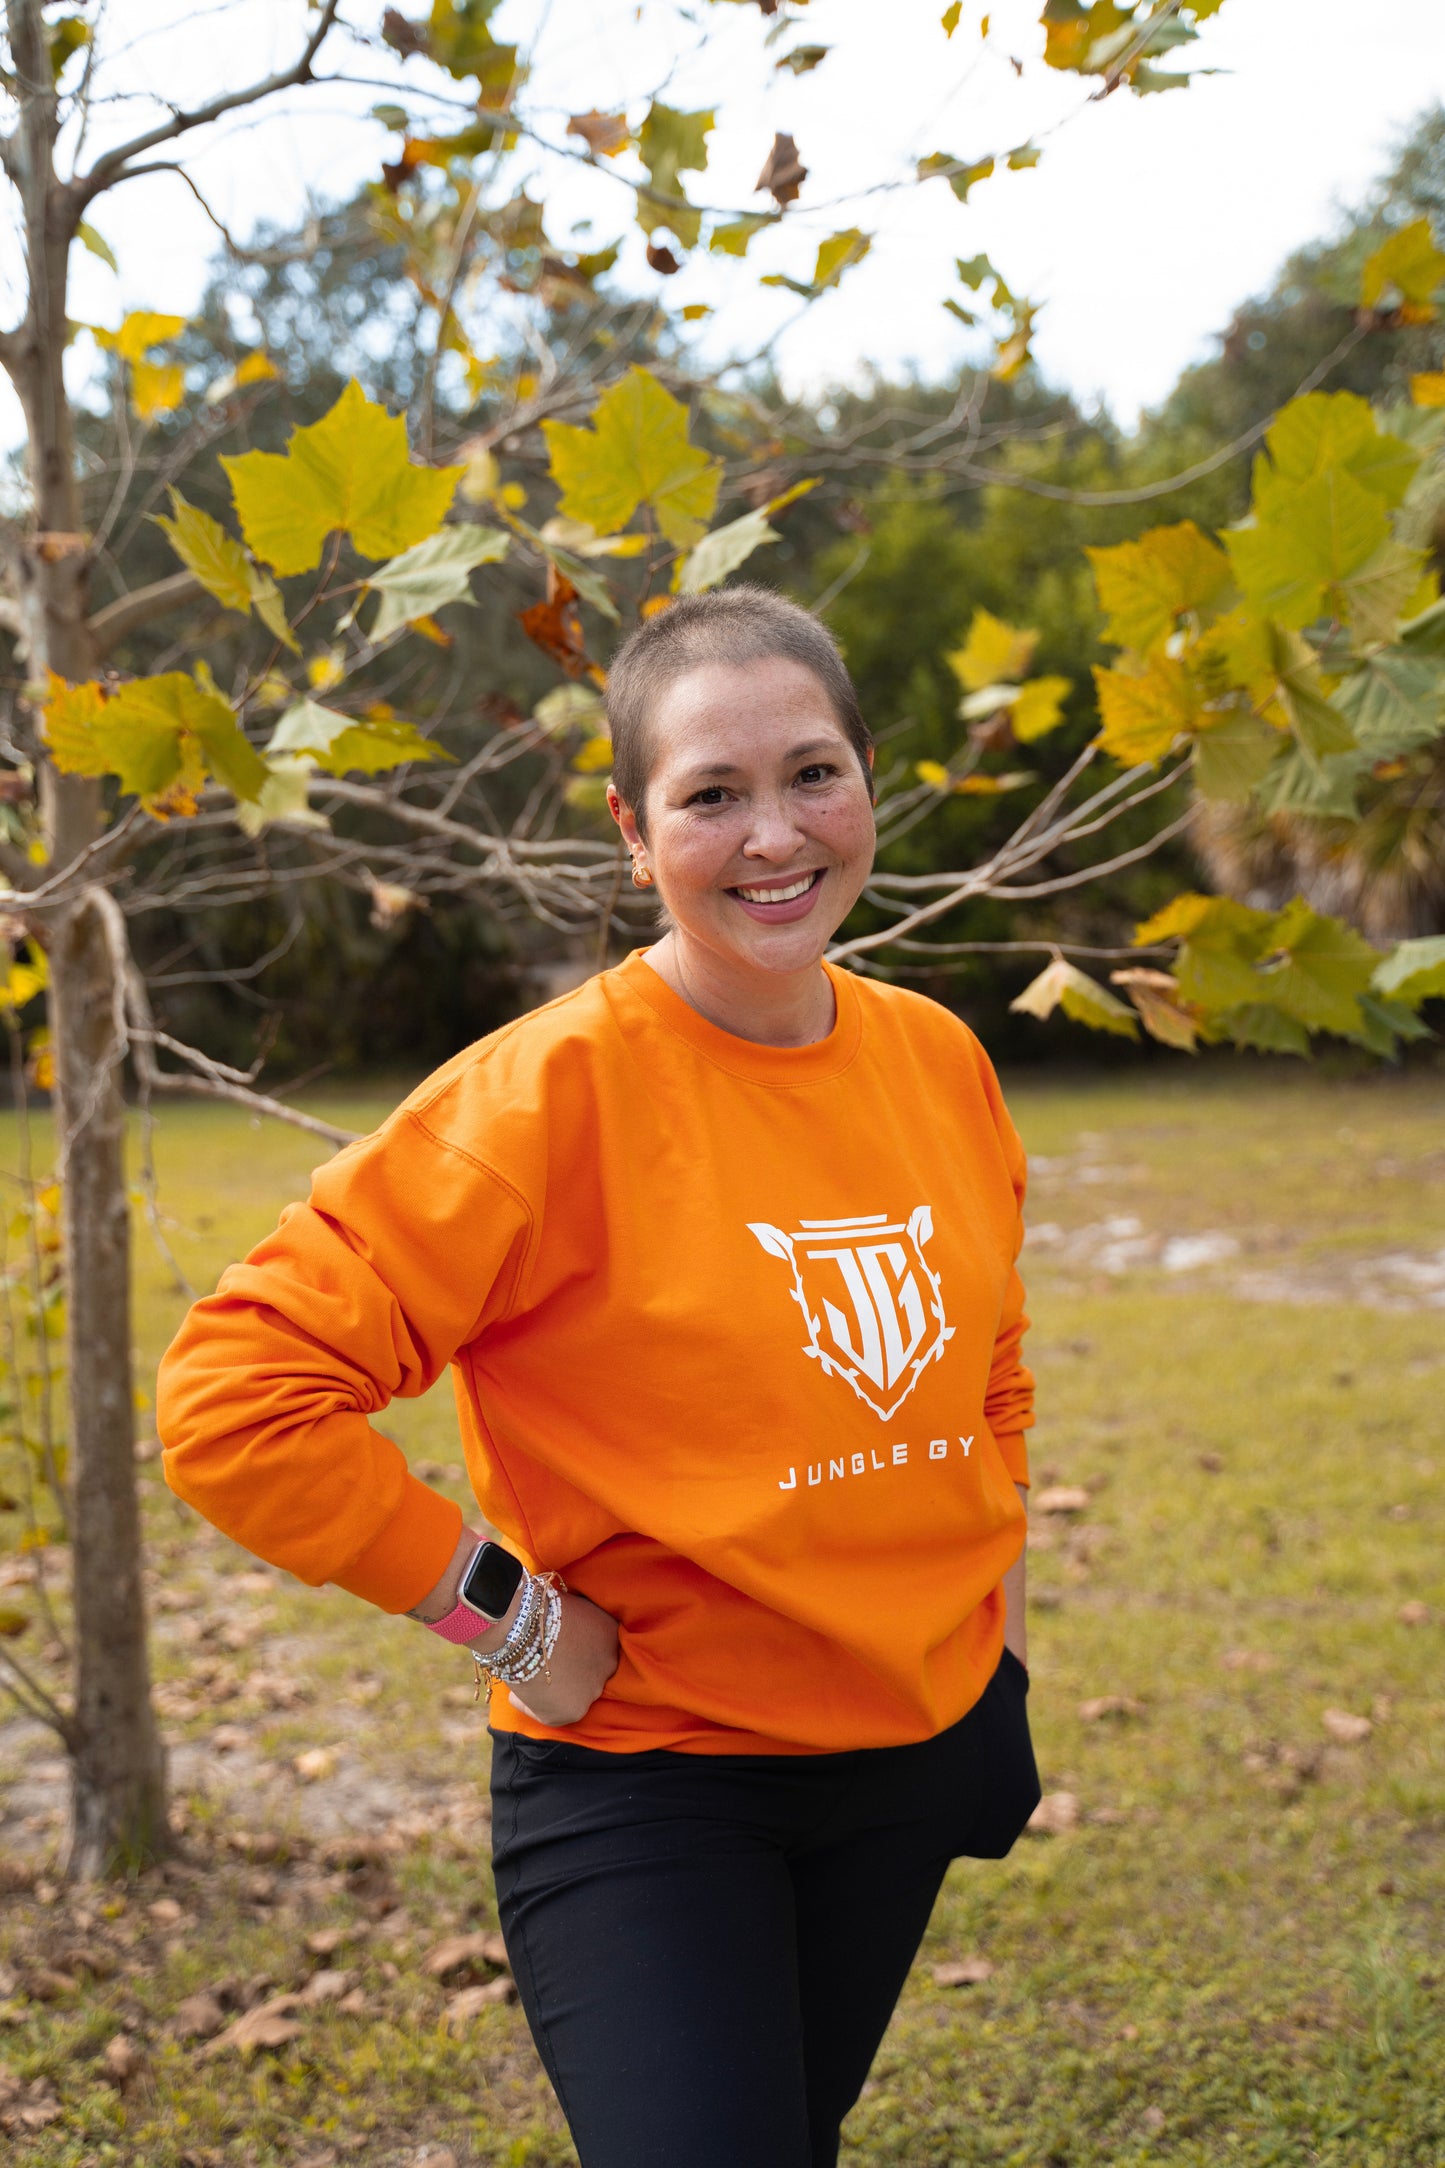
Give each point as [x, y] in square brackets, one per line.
[760, 830]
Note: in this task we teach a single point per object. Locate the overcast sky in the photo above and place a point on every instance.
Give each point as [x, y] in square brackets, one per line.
[1144, 224]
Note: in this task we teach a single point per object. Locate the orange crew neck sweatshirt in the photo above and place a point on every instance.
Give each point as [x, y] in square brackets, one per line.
[735, 1336]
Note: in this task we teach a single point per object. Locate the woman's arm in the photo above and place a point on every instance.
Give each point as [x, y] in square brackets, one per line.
[583, 1660]
[1016, 1625]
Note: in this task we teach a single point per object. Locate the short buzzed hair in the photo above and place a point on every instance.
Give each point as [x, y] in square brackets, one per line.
[729, 625]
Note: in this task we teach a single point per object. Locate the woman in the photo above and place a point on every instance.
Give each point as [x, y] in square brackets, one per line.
[721, 1248]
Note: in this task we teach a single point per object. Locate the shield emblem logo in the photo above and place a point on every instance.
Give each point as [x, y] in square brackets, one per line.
[872, 1306]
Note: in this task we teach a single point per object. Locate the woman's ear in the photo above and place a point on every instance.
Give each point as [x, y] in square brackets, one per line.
[625, 818]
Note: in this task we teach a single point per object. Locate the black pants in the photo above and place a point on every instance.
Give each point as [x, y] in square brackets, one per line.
[709, 1947]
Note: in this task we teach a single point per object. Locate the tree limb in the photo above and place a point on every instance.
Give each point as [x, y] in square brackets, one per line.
[112, 167]
[108, 627]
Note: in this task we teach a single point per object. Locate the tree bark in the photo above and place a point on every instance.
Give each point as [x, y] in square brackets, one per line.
[118, 1795]
[117, 1815]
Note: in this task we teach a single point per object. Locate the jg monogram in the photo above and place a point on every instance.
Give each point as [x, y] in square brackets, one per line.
[894, 1326]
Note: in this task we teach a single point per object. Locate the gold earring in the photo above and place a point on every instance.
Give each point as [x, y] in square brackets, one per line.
[641, 878]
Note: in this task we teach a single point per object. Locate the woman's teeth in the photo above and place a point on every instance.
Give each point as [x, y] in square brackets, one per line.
[778, 895]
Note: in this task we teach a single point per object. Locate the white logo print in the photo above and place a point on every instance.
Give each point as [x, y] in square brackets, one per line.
[885, 1339]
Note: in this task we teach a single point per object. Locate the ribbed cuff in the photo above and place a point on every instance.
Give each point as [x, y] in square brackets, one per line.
[411, 1554]
[1014, 1454]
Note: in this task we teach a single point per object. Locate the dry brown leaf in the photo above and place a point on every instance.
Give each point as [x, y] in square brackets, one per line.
[1055, 1814]
[463, 2007]
[166, 1912]
[1345, 1729]
[783, 172]
[1109, 1705]
[329, 1985]
[228, 1738]
[486, 1948]
[965, 1972]
[199, 2017]
[1061, 1498]
[315, 1763]
[556, 626]
[354, 2004]
[662, 259]
[122, 2057]
[267, 2026]
[1414, 1613]
[436, 2156]
[45, 1984]
[605, 134]
[328, 1940]
[1248, 1660]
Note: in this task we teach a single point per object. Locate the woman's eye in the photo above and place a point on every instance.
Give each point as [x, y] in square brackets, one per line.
[817, 771]
[711, 794]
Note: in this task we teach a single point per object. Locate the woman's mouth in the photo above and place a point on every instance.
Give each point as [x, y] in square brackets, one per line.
[773, 902]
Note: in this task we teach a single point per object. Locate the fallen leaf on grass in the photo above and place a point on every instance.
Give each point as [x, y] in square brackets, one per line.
[44, 1984]
[27, 2107]
[1109, 1705]
[1055, 1814]
[166, 1912]
[463, 2008]
[199, 2017]
[328, 1940]
[1248, 1660]
[354, 2004]
[1061, 1498]
[460, 1950]
[966, 1972]
[267, 2026]
[315, 1763]
[1345, 1729]
[327, 1986]
[122, 2058]
[227, 1738]
[1414, 1613]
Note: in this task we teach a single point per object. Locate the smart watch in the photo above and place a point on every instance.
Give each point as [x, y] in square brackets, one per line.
[491, 1581]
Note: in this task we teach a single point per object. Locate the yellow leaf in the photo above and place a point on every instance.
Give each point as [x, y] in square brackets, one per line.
[1039, 707]
[71, 713]
[257, 368]
[203, 545]
[933, 773]
[1407, 265]
[1428, 388]
[156, 387]
[695, 311]
[139, 331]
[950, 16]
[594, 758]
[1142, 713]
[481, 476]
[350, 471]
[1176, 921]
[635, 453]
[513, 496]
[992, 651]
[23, 981]
[1063, 986]
[1146, 586]
[325, 669]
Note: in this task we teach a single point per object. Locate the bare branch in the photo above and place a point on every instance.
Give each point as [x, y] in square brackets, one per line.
[112, 167]
[26, 1689]
[108, 627]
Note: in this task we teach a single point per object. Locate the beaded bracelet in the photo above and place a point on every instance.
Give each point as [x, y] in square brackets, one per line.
[527, 1650]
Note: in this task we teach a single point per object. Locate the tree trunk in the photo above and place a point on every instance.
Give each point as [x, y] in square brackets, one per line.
[118, 1790]
[118, 1803]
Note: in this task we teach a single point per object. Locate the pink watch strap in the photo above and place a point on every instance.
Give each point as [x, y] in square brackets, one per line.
[461, 1624]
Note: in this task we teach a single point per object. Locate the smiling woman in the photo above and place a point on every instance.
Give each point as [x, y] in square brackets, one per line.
[743, 788]
[719, 1220]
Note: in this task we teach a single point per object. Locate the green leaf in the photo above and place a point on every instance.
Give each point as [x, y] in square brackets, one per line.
[635, 453]
[669, 144]
[1414, 971]
[1327, 429]
[432, 573]
[145, 732]
[284, 801]
[223, 568]
[1231, 754]
[1384, 585]
[1146, 586]
[973, 270]
[458, 39]
[961, 175]
[722, 551]
[1395, 701]
[733, 238]
[344, 743]
[1323, 789]
[1063, 986]
[1314, 535]
[349, 472]
[1268, 1030]
[1408, 265]
[1425, 634]
[1317, 968]
[803, 58]
[1383, 1024]
[838, 254]
[87, 236]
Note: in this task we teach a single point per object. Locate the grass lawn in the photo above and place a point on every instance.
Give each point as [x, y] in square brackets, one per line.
[1231, 1950]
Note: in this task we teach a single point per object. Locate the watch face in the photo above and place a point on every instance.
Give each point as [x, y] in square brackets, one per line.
[491, 1580]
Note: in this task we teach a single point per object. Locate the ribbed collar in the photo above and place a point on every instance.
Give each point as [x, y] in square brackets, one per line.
[634, 980]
